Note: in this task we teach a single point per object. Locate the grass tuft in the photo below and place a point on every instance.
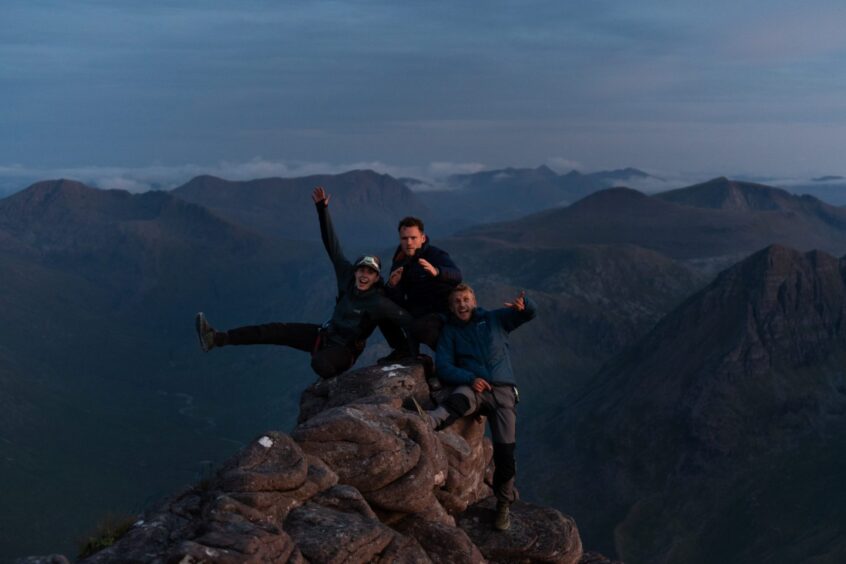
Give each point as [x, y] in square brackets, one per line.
[106, 533]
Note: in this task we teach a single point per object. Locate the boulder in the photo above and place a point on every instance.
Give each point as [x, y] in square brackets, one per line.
[347, 530]
[360, 479]
[537, 534]
[383, 383]
[444, 544]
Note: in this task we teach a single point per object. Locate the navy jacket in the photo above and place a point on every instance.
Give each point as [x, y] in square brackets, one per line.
[356, 313]
[419, 292]
[479, 348]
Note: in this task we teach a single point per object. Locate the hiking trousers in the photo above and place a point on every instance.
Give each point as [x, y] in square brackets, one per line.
[500, 406]
[327, 359]
[425, 329]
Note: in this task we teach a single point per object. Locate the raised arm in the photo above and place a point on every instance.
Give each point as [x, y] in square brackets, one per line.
[516, 313]
[327, 234]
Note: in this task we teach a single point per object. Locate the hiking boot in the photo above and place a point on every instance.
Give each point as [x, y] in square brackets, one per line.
[205, 332]
[503, 519]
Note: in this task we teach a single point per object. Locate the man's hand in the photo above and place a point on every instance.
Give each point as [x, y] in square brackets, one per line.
[320, 195]
[395, 276]
[427, 266]
[519, 304]
[479, 385]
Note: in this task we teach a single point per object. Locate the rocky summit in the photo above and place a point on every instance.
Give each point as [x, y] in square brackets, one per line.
[361, 478]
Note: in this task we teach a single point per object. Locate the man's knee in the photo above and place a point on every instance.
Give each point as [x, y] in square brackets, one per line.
[457, 404]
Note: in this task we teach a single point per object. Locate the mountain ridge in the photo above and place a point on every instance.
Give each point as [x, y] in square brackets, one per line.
[744, 373]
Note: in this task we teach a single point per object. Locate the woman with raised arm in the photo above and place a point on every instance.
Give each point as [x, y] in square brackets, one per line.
[335, 345]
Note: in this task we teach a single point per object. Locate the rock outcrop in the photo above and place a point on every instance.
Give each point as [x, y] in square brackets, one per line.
[360, 479]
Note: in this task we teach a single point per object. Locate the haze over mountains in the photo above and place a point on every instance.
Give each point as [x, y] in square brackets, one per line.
[100, 369]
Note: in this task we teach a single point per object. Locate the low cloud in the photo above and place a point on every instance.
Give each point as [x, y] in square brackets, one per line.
[562, 164]
[14, 177]
[444, 168]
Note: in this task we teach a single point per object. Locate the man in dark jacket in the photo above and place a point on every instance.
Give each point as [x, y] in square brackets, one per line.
[472, 354]
[421, 279]
[335, 345]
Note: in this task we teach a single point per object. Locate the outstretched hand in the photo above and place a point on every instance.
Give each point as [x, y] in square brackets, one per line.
[519, 304]
[320, 195]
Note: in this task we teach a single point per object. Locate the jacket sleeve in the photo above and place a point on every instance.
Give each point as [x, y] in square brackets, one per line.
[333, 246]
[447, 270]
[446, 368]
[511, 319]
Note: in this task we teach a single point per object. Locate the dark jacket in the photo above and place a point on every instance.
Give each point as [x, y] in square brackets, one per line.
[418, 291]
[356, 313]
[479, 348]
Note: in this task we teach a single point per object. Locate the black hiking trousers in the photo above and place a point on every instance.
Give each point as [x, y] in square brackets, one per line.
[425, 329]
[327, 359]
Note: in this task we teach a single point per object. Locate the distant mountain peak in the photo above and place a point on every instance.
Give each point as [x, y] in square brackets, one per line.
[61, 185]
[726, 194]
[40, 195]
[618, 195]
[623, 173]
[545, 170]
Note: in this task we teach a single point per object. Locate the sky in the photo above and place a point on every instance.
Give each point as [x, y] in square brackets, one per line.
[139, 94]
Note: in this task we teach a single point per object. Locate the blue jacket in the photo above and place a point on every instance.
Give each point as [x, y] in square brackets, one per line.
[479, 348]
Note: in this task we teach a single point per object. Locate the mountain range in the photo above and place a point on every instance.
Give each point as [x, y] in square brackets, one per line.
[717, 437]
[104, 385]
[367, 205]
[497, 195]
[719, 219]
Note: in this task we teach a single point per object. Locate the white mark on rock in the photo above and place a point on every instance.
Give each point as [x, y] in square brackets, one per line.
[138, 523]
[266, 442]
[439, 478]
[392, 367]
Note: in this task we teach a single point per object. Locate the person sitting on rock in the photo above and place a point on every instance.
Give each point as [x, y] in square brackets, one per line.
[335, 345]
[472, 354]
[421, 279]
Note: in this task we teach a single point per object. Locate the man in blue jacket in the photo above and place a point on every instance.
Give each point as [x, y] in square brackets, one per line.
[472, 354]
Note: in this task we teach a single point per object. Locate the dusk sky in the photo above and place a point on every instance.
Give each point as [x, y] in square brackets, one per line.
[126, 94]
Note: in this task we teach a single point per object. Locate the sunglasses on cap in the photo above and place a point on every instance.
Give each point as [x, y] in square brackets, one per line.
[370, 261]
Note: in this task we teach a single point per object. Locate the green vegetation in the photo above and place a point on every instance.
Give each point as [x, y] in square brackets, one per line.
[107, 532]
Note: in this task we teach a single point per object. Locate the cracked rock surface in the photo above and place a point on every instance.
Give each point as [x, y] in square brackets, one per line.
[359, 479]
